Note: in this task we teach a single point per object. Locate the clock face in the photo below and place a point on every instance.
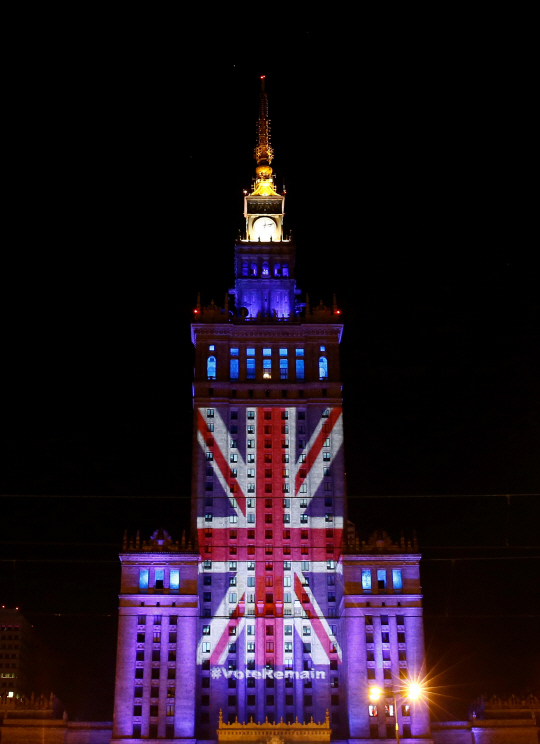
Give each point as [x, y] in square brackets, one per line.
[264, 228]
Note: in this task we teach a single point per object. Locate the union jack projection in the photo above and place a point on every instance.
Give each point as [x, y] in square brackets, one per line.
[270, 524]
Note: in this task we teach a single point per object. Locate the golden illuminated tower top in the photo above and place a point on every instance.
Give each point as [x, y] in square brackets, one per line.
[264, 182]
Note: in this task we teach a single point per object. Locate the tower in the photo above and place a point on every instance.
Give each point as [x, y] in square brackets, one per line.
[268, 481]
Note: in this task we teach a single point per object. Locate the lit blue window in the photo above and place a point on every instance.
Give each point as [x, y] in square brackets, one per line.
[323, 368]
[250, 352]
[159, 578]
[299, 369]
[267, 369]
[245, 268]
[323, 348]
[175, 580]
[253, 269]
[250, 369]
[234, 352]
[234, 369]
[265, 270]
[211, 367]
[283, 352]
[299, 352]
[267, 352]
[283, 368]
[285, 269]
[366, 579]
[277, 269]
[381, 578]
[397, 579]
[143, 578]
[211, 347]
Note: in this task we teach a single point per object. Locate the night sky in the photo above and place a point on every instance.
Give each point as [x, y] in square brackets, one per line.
[406, 169]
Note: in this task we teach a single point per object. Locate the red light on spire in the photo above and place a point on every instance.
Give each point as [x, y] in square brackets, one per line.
[262, 77]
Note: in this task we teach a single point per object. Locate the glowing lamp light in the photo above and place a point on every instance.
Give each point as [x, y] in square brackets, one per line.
[375, 693]
[262, 77]
[337, 312]
[196, 312]
[414, 691]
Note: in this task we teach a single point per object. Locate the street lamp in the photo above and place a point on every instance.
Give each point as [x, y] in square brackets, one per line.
[412, 691]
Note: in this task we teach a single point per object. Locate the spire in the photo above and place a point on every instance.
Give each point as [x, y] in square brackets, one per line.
[263, 150]
[264, 182]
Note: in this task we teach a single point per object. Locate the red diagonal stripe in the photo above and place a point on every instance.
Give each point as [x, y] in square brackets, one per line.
[224, 639]
[316, 623]
[316, 447]
[222, 464]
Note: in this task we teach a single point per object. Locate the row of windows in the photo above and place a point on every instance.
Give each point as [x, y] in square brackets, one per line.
[269, 598]
[234, 369]
[159, 577]
[154, 709]
[156, 638]
[269, 647]
[268, 581]
[304, 565]
[269, 630]
[397, 580]
[233, 457]
[141, 619]
[300, 414]
[250, 268]
[268, 518]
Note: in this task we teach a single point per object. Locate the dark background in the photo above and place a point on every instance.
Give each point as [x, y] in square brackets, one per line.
[405, 144]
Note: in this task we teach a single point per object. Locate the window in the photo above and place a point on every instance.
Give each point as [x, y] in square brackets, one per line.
[373, 712]
[174, 580]
[381, 579]
[384, 619]
[299, 368]
[234, 368]
[251, 458]
[389, 710]
[251, 472]
[232, 458]
[232, 597]
[143, 578]
[366, 580]
[283, 369]
[250, 369]
[267, 369]
[397, 580]
[206, 647]
[207, 596]
[401, 637]
[211, 368]
[234, 443]
[385, 637]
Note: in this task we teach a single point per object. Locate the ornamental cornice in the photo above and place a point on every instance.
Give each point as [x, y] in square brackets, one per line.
[280, 331]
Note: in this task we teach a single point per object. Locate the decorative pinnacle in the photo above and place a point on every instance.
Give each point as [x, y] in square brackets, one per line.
[263, 151]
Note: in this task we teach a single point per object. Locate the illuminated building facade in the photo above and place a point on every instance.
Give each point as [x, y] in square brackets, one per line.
[15, 651]
[285, 615]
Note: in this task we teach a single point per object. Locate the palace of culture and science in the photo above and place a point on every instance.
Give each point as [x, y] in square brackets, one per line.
[273, 621]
